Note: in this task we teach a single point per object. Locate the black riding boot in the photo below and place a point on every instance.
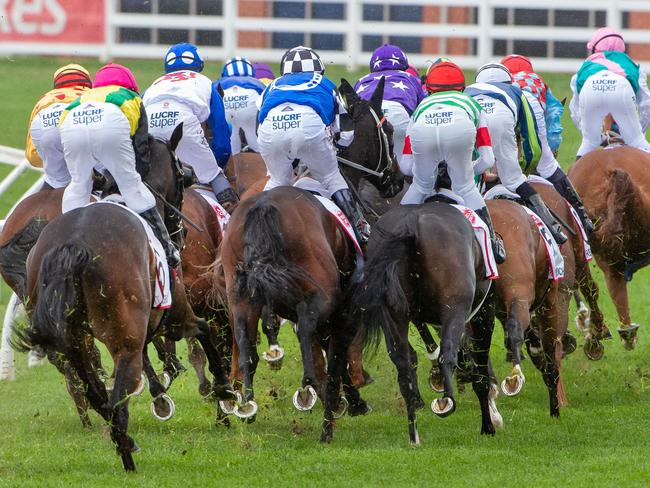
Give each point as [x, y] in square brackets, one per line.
[564, 187]
[497, 244]
[343, 198]
[155, 220]
[533, 201]
[225, 194]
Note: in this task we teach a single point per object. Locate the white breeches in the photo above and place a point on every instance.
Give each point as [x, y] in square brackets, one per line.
[96, 133]
[193, 148]
[443, 134]
[241, 112]
[46, 137]
[292, 132]
[399, 118]
[608, 93]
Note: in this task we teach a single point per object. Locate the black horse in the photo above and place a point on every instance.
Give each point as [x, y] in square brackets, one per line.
[424, 266]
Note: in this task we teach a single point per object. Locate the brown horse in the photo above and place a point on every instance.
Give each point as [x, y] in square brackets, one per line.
[424, 266]
[615, 185]
[285, 251]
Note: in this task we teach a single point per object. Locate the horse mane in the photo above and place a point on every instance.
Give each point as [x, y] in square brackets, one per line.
[13, 254]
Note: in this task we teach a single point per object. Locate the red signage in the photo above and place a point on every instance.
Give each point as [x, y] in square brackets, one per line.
[52, 21]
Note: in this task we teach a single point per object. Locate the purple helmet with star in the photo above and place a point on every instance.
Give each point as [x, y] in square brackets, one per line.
[388, 57]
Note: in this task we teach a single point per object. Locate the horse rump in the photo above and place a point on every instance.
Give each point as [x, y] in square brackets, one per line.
[59, 298]
[13, 254]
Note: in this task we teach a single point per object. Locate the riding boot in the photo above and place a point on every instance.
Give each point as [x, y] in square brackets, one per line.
[498, 248]
[226, 196]
[564, 187]
[155, 220]
[343, 198]
[533, 201]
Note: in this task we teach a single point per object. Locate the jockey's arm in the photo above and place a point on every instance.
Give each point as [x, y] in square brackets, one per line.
[531, 148]
[643, 101]
[485, 158]
[141, 146]
[574, 104]
[553, 119]
[31, 154]
[220, 143]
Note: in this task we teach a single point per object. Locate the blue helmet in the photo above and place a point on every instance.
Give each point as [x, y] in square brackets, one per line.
[238, 66]
[183, 56]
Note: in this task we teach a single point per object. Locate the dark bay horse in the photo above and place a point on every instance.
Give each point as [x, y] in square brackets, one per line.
[285, 251]
[424, 266]
[76, 292]
[615, 187]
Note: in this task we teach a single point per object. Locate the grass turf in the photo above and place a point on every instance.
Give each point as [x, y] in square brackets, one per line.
[599, 439]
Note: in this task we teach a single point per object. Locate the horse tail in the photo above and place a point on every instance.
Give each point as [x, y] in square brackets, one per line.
[266, 275]
[13, 254]
[59, 298]
[621, 196]
[380, 297]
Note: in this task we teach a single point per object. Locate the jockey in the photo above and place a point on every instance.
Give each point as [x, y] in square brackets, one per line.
[43, 148]
[299, 118]
[402, 92]
[264, 73]
[508, 111]
[108, 125]
[240, 92]
[184, 95]
[609, 82]
[539, 97]
[450, 126]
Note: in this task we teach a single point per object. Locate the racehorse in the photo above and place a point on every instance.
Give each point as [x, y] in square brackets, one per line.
[285, 251]
[614, 185]
[76, 292]
[424, 266]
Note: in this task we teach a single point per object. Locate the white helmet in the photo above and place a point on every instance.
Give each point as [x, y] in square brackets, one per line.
[492, 72]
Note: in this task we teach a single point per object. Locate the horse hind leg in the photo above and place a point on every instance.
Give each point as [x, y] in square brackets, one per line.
[305, 397]
[74, 385]
[452, 330]
[595, 323]
[199, 361]
[518, 320]
[271, 329]
[162, 406]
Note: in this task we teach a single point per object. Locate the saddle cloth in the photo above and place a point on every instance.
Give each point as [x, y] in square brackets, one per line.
[313, 186]
[555, 259]
[482, 235]
[222, 216]
[162, 298]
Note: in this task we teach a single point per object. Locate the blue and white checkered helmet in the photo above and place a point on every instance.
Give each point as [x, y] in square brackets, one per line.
[238, 66]
[301, 59]
[183, 56]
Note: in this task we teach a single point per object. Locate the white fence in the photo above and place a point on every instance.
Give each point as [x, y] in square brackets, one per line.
[483, 31]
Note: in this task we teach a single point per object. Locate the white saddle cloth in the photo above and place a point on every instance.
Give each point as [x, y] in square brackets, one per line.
[482, 235]
[222, 215]
[162, 294]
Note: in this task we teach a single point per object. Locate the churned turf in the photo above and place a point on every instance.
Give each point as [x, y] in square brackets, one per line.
[600, 439]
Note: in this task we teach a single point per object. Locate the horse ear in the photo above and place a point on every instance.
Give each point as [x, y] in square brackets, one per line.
[176, 137]
[348, 93]
[563, 101]
[378, 95]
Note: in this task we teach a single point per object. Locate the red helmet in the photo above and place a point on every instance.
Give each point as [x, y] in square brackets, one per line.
[445, 76]
[516, 63]
[71, 75]
[115, 74]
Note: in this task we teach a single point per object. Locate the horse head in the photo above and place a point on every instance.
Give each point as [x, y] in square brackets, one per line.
[372, 146]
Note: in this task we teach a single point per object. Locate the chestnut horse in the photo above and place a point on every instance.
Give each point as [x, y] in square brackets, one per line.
[424, 266]
[615, 187]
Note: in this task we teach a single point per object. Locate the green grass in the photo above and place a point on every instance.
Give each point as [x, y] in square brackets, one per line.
[600, 438]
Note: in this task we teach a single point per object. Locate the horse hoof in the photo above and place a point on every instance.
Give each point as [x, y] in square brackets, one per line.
[628, 336]
[583, 319]
[162, 407]
[436, 381]
[443, 407]
[274, 357]
[569, 344]
[305, 398]
[341, 408]
[594, 349]
[134, 446]
[513, 384]
[205, 389]
[246, 411]
[142, 384]
[165, 379]
[35, 358]
[227, 406]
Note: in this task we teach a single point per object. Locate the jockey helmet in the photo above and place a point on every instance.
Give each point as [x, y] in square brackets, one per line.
[183, 56]
[516, 63]
[388, 57]
[71, 75]
[412, 70]
[606, 39]
[115, 74]
[238, 66]
[263, 71]
[301, 59]
[492, 72]
[445, 76]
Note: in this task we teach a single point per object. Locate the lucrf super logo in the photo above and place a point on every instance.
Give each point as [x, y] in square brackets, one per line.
[29, 17]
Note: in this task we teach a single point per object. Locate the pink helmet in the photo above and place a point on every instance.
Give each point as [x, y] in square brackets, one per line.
[412, 70]
[115, 74]
[606, 39]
